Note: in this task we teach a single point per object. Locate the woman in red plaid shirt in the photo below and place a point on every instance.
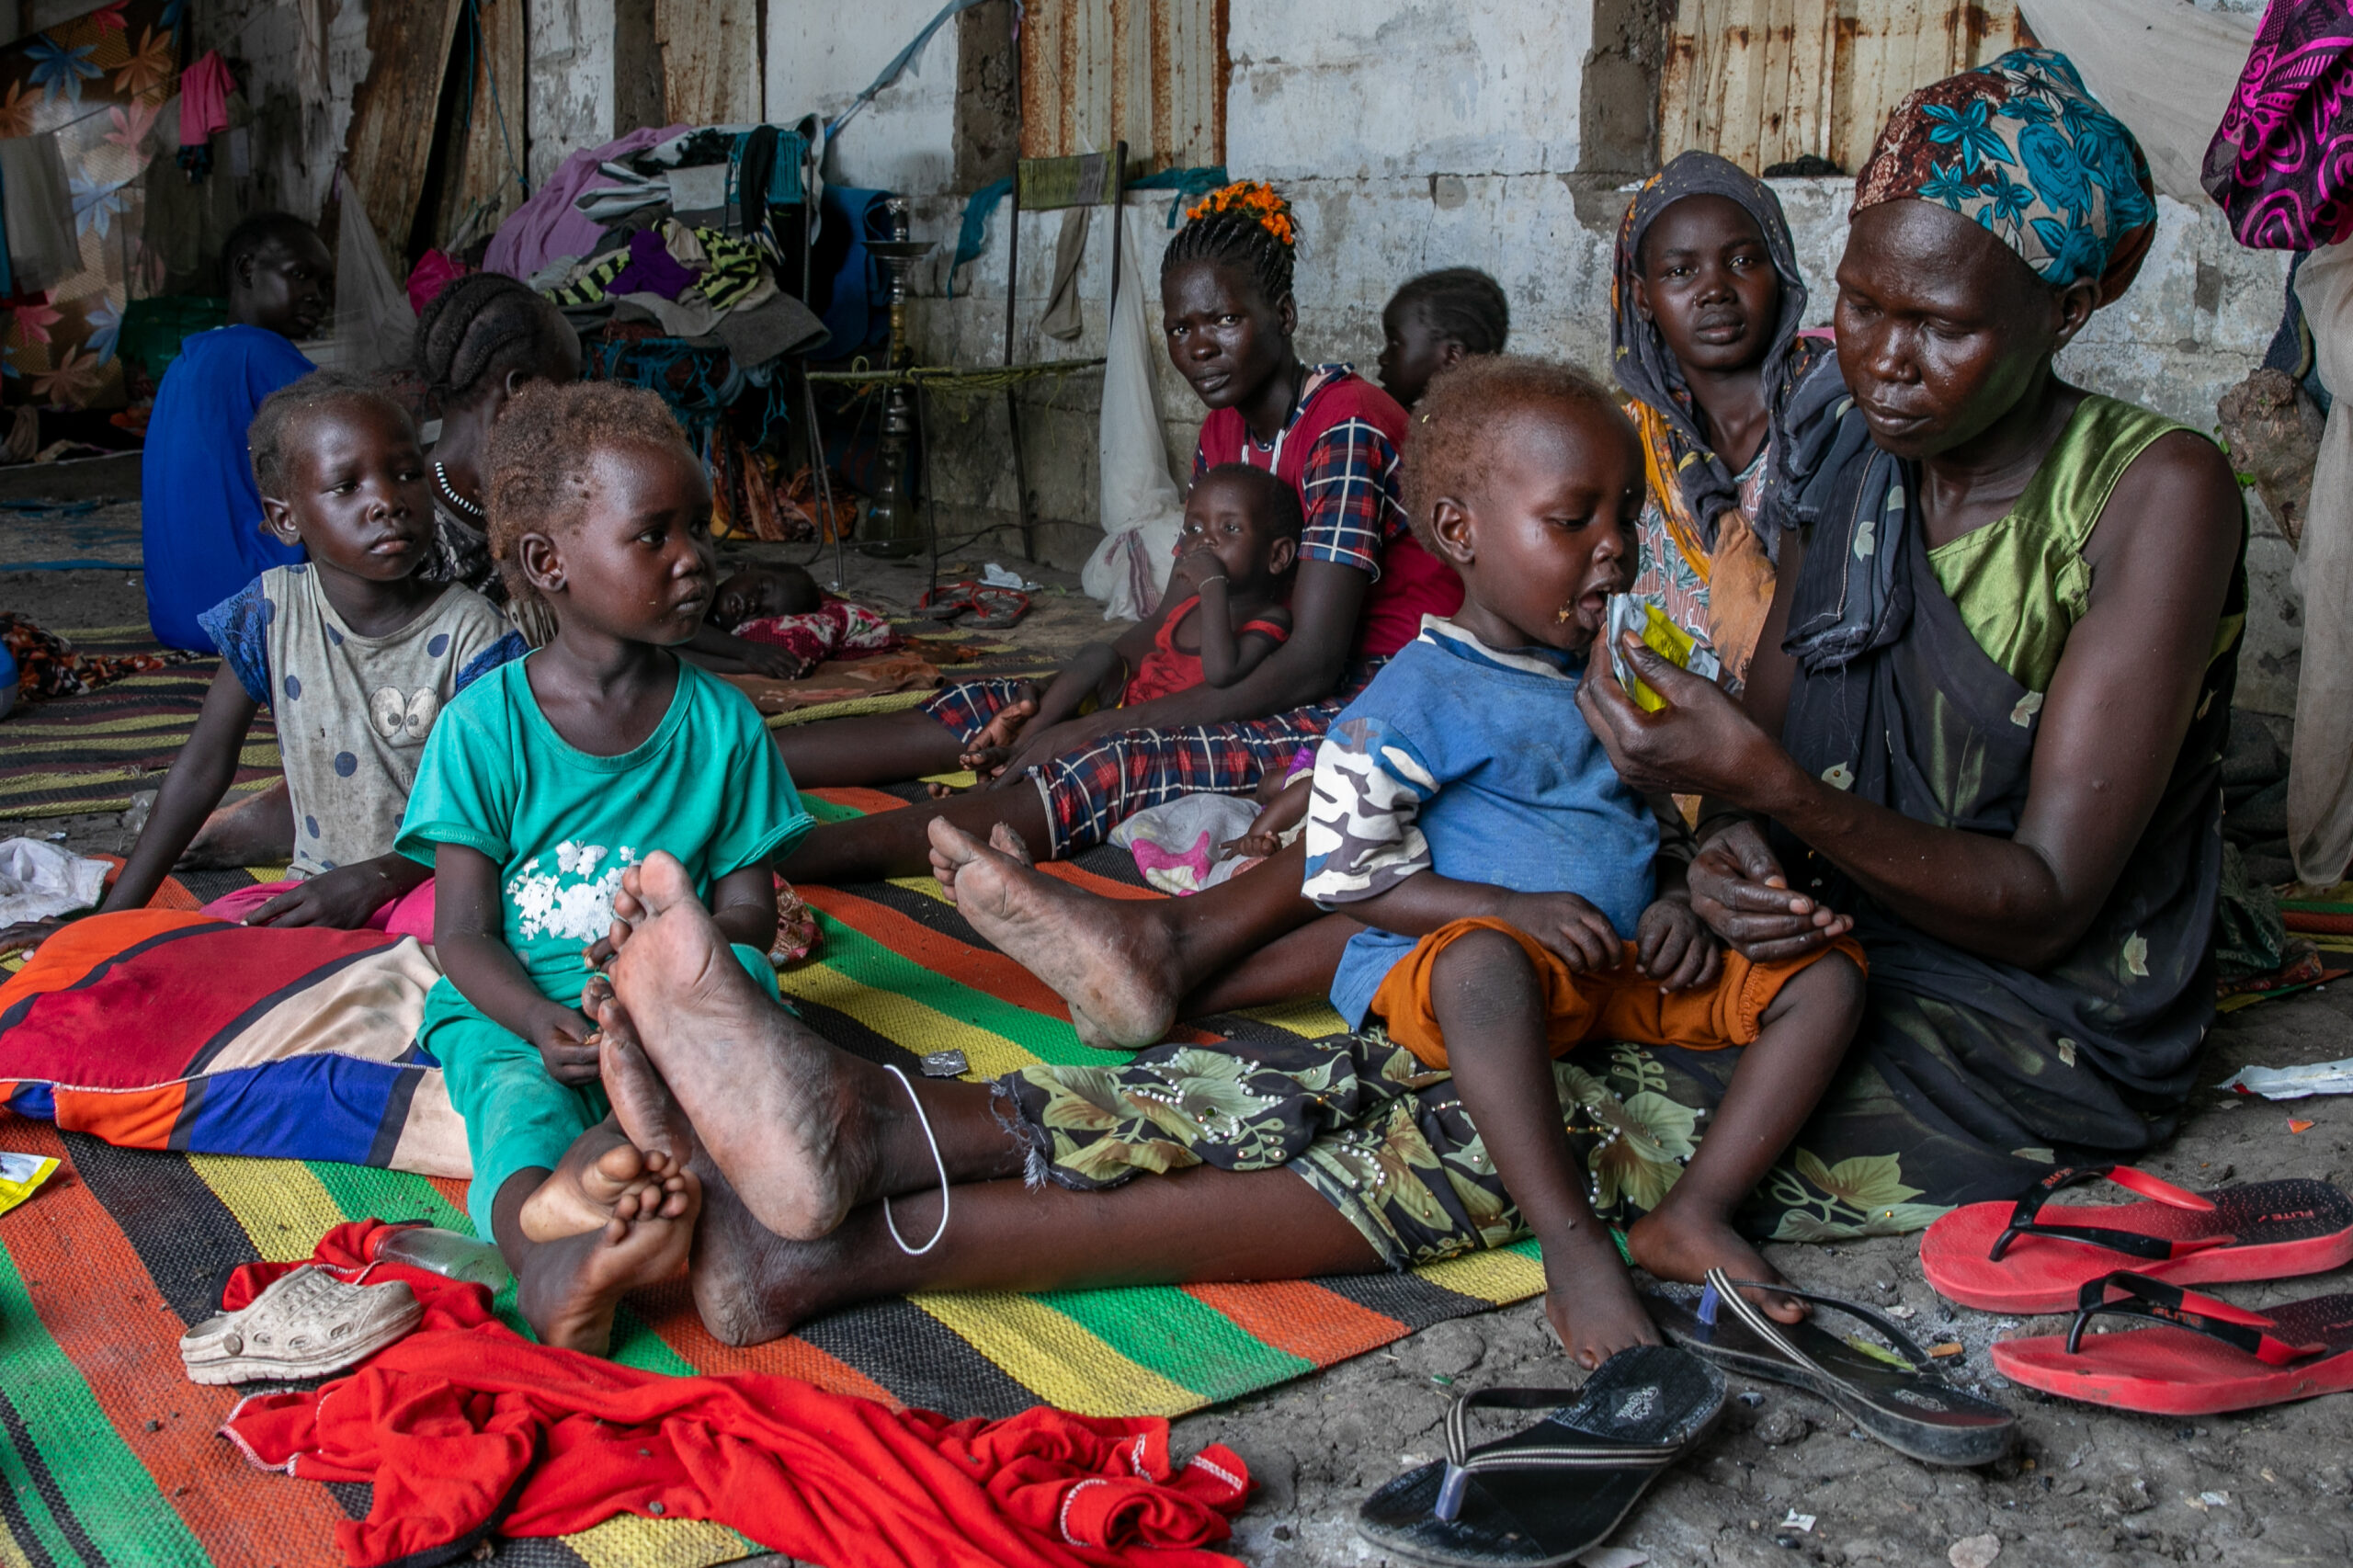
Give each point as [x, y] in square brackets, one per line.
[1362, 588]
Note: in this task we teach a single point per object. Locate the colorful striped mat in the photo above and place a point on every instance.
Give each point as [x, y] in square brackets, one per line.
[93, 753]
[111, 1456]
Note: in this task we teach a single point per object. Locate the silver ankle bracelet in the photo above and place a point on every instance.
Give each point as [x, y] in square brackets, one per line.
[936, 1159]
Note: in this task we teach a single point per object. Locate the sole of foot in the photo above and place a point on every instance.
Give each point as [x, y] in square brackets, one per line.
[569, 1288]
[599, 1172]
[1113, 967]
[787, 1116]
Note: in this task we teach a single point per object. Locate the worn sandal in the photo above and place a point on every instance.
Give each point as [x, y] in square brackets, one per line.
[2204, 1357]
[1895, 1399]
[949, 602]
[998, 607]
[1549, 1494]
[307, 1324]
[2023, 1257]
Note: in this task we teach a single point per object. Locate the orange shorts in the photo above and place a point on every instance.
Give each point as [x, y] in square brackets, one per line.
[1624, 1003]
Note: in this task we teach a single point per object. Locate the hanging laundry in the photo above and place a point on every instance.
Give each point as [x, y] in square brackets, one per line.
[43, 251]
[205, 87]
[465, 1424]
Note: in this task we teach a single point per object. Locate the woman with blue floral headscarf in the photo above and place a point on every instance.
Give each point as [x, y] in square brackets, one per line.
[1985, 717]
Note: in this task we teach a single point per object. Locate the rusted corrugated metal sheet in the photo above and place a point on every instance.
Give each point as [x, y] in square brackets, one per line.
[1765, 81]
[710, 60]
[1151, 72]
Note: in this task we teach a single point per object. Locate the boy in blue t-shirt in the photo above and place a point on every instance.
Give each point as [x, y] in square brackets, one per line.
[1464, 810]
[537, 787]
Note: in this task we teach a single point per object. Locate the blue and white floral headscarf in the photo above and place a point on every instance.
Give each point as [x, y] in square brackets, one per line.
[2020, 147]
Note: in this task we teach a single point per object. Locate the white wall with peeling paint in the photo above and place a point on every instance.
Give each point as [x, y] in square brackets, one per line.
[1413, 134]
[572, 81]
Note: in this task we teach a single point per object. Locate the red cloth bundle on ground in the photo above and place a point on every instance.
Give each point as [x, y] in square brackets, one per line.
[466, 1428]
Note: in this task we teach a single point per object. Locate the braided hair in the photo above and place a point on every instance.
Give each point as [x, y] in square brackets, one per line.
[1462, 305]
[269, 437]
[1244, 225]
[477, 330]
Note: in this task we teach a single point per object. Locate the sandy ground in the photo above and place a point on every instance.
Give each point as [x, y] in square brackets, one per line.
[2088, 1489]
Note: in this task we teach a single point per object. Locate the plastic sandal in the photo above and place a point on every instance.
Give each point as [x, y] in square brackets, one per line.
[1549, 1494]
[2204, 1357]
[947, 603]
[998, 607]
[1905, 1407]
[2024, 1257]
[306, 1325]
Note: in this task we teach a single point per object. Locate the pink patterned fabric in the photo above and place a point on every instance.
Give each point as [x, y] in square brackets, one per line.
[2281, 163]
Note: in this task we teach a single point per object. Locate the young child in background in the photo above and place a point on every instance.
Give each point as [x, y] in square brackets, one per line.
[1464, 810]
[1433, 323]
[1437, 320]
[537, 789]
[355, 654]
[776, 621]
[1224, 612]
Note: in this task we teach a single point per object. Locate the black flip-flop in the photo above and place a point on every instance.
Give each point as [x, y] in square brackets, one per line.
[1555, 1490]
[1898, 1399]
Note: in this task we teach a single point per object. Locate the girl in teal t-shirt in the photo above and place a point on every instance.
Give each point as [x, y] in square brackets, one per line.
[537, 787]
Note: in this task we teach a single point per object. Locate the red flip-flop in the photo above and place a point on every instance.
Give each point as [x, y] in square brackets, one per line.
[2204, 1357]
[2023, 1257]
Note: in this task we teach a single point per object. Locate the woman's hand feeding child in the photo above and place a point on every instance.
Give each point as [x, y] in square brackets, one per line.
[1465, 811]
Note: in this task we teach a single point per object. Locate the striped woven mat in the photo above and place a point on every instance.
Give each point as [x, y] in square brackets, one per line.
[93, 753]
[111, 1456]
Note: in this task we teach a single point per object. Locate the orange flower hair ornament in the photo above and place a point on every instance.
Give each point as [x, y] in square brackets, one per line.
[1256, 200]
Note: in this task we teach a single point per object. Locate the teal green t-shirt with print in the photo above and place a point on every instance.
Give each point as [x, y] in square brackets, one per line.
[706, 786]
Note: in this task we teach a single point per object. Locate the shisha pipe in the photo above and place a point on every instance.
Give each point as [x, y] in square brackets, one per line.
[891, 530]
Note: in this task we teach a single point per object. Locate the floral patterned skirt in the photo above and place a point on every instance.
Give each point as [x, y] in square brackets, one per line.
[1386, 1141]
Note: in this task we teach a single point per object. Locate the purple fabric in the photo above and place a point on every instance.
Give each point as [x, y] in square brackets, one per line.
[652, 269]
[548, 225]
[2281, 163]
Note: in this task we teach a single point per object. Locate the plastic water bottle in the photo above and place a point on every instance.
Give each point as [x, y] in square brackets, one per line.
[447, 1254]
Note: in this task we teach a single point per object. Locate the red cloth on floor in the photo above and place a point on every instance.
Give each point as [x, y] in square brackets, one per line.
[466, 1428]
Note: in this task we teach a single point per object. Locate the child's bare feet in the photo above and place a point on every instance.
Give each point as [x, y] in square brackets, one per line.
[600, 1169]
[256, 831]
[796, 1123]
[1109, 963]
[1683, 1240]
[568, 1289]
[1591, 1304]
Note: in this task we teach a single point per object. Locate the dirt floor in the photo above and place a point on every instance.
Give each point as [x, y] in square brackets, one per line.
[2088, 1489]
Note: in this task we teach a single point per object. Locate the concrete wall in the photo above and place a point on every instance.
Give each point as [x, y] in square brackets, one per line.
[572, 80]
[1412, 134]
[299, 124]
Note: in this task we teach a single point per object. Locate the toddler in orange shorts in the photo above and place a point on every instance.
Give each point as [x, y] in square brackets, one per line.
[1466, 812]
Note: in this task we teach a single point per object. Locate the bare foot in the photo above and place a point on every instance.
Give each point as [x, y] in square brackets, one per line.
[751, 1285]
[1678, 1242]
[1110, 961]
[798, 1125]
[256, 831]
[649, 1115]
[579, 1195]
[1592, 1307]
[568, 1289]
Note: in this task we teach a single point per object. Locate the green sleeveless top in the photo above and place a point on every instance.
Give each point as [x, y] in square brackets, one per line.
[2021, 583]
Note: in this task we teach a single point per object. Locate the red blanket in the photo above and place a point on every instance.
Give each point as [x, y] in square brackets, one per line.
[465, 1428]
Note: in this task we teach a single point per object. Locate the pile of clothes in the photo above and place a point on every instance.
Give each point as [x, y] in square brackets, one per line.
[677, 229]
